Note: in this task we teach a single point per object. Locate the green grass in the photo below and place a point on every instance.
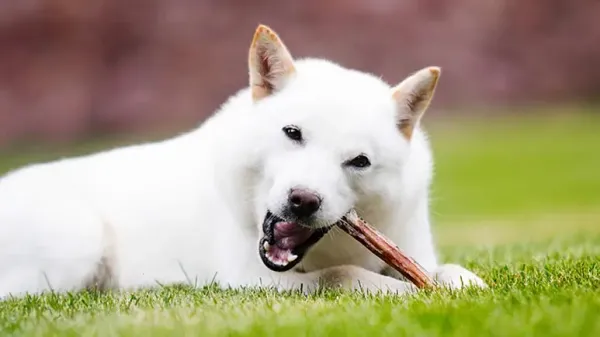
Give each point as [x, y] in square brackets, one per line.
[517, 166]
[517, 200]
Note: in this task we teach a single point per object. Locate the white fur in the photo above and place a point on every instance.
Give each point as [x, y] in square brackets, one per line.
[189, 209]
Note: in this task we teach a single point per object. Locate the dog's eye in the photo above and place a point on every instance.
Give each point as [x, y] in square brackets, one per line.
[360, 161]
[293, 132]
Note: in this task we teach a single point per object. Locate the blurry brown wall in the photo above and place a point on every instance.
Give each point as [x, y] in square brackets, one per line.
[72, 68]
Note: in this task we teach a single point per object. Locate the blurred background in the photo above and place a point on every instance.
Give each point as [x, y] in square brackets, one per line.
[514, 123]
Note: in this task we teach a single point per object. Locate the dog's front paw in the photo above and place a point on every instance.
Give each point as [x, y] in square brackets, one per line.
[457, 277]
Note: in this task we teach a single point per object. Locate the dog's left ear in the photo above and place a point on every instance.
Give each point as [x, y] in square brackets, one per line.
[413, 96]
[270, 63]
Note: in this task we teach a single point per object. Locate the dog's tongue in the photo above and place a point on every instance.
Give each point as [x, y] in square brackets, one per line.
[289, 235]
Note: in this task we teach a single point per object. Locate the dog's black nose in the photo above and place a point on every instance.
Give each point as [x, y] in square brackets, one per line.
[303, 203]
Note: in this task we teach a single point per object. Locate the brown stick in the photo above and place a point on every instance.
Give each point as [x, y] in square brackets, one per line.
[381, 246]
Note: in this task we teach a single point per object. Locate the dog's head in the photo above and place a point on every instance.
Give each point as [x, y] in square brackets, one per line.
[329, 138]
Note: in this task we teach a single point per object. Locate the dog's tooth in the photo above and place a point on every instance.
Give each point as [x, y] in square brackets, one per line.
[292, 257]
[266, 246]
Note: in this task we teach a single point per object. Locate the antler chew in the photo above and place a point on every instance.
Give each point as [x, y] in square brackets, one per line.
[381, 246]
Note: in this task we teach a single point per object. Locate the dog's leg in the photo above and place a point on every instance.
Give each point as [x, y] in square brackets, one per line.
[344, 277]
[58, 247]
[451, 276]
[456, 277]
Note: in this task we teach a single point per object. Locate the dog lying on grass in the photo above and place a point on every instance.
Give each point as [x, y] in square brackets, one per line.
[249, 198]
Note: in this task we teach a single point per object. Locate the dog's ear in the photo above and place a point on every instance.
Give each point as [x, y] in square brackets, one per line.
[270, 63]
[413, 96]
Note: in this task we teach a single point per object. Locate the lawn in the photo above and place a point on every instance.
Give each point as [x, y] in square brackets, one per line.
[516, 199]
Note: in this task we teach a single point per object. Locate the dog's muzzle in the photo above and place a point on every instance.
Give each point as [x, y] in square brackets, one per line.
[284, 243]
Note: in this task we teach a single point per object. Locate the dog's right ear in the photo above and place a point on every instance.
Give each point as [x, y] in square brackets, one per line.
[413, 96]
[270, 63]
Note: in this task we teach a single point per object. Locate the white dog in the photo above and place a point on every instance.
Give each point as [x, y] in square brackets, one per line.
[250, 198]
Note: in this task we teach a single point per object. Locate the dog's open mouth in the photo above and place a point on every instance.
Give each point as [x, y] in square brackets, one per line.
[284, 243]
